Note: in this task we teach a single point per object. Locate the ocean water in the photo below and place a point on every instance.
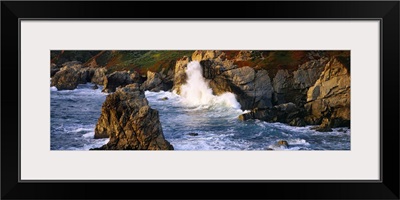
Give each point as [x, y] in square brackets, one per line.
[219, 128]
[213, 119]
[74, 115]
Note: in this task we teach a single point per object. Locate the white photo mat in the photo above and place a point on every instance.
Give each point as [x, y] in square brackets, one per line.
[40, 36]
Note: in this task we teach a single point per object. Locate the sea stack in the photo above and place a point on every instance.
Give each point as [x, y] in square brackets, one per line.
[127, 119]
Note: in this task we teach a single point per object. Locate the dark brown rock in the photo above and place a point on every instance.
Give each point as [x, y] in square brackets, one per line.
[120, 79]
[164, 99]
[130, 123]
[326, 126]
[193, 134]
[70, 75]
[156, 82]
[285, 113]
[54, 69]
[292, 86]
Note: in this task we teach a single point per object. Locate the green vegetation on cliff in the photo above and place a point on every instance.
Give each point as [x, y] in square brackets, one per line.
[156, 60]
[140, 61]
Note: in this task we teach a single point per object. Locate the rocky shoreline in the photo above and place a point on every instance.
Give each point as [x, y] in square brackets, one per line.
[316, 92]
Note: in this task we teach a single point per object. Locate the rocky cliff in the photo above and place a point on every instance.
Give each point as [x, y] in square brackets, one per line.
[255, 86]
[316, 91]
[294, 87]
[70, 74]
[127, 119]
[328, 100]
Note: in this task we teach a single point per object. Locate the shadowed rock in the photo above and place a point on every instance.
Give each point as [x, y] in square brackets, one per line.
[70, 75]
[129, 122]
[285, 113]
[328, 100]
[156, 82]
[120, 79]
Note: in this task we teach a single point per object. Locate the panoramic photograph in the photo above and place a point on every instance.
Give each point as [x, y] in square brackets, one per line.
[200, 100]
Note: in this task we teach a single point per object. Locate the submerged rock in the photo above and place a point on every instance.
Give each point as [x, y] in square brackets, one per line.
[193, 134]
[95, 87]
[282, 143]
[278, 145]
[163, 99]
[127, 119]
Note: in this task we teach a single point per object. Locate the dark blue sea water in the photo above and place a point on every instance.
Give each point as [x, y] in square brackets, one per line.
[74, 115]
[219, 128]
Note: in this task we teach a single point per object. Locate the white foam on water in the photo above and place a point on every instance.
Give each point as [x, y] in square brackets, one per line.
[88, 135]
[81, 129]
[196, 91]
[160, 95]
[96, 143]
[298, 141]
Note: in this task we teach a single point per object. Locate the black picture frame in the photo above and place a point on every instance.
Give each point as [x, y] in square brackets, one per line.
[386, 11]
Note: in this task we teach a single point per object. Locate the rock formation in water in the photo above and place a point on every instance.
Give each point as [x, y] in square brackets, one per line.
[316, 91]
[255, 88]
[287, 113]
[157, 81]
[127, 119]
[120, 79]
[298, 88]
[70, 75]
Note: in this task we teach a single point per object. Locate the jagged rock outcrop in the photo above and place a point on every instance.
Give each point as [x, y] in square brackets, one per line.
[129, 122]
[252, 88]
[99, 76]
[284, 94]
[120, 79]
[200, 55]
[156, 82]
[287, 113]
[70, 75]
[180, 74]
[293, 86]
[328, 100]
[54, 69]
